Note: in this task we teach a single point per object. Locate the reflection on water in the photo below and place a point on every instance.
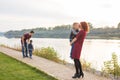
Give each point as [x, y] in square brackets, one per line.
[94, 51]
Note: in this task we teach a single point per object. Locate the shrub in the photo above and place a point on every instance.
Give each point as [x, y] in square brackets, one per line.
[112, 66]
[86, 65]
[48, 53]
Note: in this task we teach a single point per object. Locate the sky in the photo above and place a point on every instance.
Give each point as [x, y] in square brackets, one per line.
[25, 14]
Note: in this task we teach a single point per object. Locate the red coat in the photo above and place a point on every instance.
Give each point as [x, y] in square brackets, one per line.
[76, 52]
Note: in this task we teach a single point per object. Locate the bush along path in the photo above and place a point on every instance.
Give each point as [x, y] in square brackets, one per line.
[59, 71]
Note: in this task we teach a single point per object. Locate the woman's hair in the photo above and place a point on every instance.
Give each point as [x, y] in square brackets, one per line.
[85, 26]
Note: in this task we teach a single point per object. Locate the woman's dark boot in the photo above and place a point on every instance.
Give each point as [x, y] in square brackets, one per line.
[81, 75]
[75, 76]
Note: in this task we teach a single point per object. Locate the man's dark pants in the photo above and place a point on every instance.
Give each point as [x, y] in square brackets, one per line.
[25, 50]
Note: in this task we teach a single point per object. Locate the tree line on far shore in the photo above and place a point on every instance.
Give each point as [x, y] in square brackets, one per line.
[63, 31]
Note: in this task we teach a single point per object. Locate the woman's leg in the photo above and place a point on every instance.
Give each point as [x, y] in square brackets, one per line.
[79, 66]
[76, 75]
[76, 66]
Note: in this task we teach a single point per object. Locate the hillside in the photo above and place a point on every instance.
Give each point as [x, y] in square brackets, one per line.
[56, 32]
[1, 33]
[63, 31]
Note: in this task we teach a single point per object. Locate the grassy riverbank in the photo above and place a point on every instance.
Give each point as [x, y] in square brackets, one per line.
[50, 54]
[11, 69]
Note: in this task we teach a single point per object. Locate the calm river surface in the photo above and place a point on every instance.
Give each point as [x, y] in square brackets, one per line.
[95, 51]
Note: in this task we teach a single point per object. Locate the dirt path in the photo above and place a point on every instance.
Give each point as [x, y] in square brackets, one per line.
[59, 71]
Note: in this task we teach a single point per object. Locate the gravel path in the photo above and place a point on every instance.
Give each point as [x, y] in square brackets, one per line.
[59, 71]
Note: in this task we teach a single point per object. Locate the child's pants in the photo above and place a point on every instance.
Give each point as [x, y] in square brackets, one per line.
[71, 50]
[30, 53]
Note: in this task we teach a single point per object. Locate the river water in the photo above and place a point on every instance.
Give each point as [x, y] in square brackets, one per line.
[95, 51]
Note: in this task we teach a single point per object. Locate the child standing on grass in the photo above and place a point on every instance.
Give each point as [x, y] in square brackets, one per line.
[30, 49]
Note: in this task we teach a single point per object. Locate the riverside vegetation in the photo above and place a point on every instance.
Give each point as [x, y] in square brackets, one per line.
[112, 67]
[12, 69]
[48, 53]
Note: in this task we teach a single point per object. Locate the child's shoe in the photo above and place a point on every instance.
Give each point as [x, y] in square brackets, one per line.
[30, 57]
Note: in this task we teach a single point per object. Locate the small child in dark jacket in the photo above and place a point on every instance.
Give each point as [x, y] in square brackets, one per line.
[30, 49]
[72, 36]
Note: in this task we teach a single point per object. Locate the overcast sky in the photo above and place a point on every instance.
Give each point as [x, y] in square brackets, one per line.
[23, 14]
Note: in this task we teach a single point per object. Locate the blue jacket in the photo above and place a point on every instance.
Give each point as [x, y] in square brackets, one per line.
[73, 34]
[30, 46]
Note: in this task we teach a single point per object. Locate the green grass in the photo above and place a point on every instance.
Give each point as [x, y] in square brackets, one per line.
[11, 69]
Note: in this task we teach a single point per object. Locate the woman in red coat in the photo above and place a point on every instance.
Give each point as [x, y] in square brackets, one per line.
[78, 43]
